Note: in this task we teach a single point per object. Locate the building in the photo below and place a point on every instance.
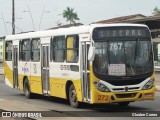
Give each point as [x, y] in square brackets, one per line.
[122, 19]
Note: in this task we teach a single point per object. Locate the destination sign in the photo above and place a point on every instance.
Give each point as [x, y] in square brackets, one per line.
[100, 33]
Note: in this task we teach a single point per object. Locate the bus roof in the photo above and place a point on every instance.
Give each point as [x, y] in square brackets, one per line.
[47, 33]
[66, 31]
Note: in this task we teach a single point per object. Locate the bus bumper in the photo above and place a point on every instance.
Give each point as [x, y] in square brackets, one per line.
[115, 97]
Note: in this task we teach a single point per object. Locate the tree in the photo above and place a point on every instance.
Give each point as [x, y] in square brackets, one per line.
[70, 15]
[156, 11]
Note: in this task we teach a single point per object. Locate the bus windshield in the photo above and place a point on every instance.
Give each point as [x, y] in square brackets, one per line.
[124, 57]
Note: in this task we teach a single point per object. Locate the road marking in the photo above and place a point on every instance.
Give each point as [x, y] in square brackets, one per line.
[1, 99]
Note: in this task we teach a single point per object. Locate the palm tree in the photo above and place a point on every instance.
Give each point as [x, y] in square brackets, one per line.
[156, 11]
[70, 15]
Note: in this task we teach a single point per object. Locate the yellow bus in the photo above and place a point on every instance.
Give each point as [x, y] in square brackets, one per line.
[95, 64]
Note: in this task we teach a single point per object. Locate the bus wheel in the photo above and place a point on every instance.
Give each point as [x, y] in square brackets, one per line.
[27, 91]
[123, 103]
[73, 97]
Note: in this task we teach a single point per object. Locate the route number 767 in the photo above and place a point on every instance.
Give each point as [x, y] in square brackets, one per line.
[115, 46]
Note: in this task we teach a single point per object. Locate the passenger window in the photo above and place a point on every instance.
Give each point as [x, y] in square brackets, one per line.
[9, 48]
[35, 53]
[25, 53]
[72, 48]
[59, 46]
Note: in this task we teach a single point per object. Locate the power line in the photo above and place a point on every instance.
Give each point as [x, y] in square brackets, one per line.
[4, 22]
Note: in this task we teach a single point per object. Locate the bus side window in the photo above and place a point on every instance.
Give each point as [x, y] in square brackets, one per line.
[59, 46]
[35, 50]
[26, 50]
[8, 51]
[20, 46]
[72, 48]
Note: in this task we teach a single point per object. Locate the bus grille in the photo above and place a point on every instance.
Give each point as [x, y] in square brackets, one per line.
[123, 89]
[129, 95]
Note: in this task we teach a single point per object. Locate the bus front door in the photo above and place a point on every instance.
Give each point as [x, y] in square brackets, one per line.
[45, 69]
[15, 66]
[86, 71]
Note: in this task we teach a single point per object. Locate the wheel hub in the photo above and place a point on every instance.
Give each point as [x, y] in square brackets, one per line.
[73, 96]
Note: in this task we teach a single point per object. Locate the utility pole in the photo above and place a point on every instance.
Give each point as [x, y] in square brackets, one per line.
[13, 17]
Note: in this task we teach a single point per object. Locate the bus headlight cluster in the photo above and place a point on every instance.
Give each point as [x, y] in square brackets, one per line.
[148, 85]
[101, 87]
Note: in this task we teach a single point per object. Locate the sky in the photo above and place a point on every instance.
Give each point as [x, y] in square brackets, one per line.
[88, 11]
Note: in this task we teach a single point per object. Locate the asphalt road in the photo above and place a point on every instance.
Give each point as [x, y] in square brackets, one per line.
[61, 108]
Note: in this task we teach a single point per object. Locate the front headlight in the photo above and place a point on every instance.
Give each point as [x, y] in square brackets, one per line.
[101, 87]
[148, 85]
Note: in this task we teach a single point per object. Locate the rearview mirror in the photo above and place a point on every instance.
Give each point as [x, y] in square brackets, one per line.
[91, 53]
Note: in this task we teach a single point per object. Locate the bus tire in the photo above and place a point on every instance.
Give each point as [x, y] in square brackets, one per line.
[123, 103]
[73, 97]
[27, 91]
